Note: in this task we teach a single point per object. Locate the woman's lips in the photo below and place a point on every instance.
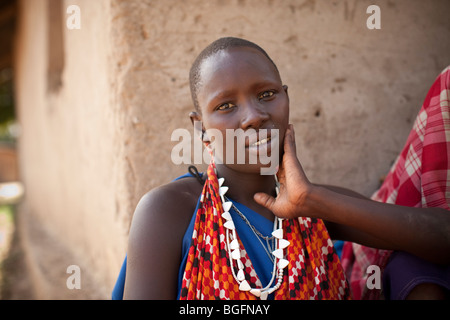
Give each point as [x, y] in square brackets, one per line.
[260, 142]
[258, 137]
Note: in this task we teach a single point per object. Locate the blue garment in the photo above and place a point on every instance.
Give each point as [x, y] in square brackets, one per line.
[338, 245]
[117, 293]
[405, 271]
[261, 262]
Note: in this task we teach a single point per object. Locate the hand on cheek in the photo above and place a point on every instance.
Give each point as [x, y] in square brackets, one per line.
[294, 185]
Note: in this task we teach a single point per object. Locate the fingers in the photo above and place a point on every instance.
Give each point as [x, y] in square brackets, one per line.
[290, 159]
[264, 200]
[271, 203]
[290, 165]
[289, 152]
[289, 141]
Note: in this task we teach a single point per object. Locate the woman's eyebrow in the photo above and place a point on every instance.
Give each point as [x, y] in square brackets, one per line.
[264, 84]
[220, 95]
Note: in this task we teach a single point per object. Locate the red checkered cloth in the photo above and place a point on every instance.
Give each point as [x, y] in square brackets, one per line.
[420, 177]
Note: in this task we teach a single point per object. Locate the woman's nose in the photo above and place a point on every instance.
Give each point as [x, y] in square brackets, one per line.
[253, 115]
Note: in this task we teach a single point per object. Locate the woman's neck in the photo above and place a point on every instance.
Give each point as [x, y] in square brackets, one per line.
[242, 186]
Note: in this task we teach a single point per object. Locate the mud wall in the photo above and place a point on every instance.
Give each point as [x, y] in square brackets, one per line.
[97, 105]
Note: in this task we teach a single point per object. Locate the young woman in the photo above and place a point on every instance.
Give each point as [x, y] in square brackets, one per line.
[215, 235]
[190, 240]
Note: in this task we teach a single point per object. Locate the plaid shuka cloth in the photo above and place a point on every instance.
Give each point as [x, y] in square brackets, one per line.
[420, 177]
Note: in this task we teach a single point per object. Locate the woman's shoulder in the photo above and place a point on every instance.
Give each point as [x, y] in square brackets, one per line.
[174, 201]
[163, 214]
[186, 190]
[159, 223]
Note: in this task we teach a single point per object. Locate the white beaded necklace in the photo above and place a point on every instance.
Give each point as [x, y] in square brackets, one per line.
[235, 254]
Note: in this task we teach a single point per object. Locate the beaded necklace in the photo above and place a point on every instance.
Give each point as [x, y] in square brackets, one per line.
[235, 254]
[218, 267]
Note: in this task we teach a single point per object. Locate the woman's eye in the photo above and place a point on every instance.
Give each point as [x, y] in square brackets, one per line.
[225, 106]
[266, 94]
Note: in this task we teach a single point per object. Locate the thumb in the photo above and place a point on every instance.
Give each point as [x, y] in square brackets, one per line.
[265, 200]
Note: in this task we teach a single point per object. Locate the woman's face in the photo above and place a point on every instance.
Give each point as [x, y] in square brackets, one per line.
[241, 91]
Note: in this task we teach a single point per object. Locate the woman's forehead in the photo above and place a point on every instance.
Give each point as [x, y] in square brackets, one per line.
[233, 59]
[233, 67]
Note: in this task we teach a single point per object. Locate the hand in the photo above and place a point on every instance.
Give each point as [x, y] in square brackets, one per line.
[294, 185]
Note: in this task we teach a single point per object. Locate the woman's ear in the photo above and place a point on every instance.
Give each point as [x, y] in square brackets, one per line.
[285, 88]
[196, 120]
[195, 116]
